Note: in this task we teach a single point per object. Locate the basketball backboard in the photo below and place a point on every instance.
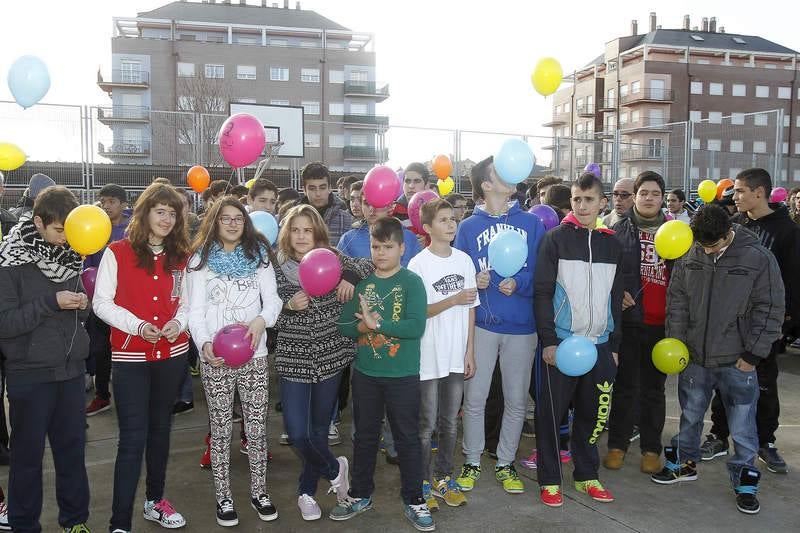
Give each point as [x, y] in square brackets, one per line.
[282, 123]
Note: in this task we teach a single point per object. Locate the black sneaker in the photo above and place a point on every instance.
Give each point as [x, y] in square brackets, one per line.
[746, 500]
[263, 506]
[713, 447]
[635, 434]
[226, 514]
[674, 472]
[182, 408]
[491, 453]
[775, 463]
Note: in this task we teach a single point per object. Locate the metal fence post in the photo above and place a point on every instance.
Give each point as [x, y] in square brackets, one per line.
[776, 172]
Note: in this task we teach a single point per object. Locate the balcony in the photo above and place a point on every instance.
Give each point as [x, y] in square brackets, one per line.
[585, 110]
[585, 136]
[654, 124]
[365, 153]
[605, 157]
[649, 95]
[607, 105]
[133, 148]
[641, 154]
[123, 113]
[558, 120]
[607, 133]
[369, 89]
[365, 121]
[129, 79]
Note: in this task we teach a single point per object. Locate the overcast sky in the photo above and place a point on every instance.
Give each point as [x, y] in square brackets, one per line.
[451, 64]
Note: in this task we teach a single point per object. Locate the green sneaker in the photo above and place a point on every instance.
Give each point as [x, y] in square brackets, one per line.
[469, 475]
[507, 475]
[348, 507]
[78, 528]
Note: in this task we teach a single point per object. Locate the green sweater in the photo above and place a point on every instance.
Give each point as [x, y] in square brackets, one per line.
[393, 350]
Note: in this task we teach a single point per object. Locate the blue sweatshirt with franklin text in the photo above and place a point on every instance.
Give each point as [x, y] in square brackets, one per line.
[499, 313]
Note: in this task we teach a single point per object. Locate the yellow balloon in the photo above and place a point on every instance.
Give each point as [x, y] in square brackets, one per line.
[707, 190]
[250, 182]
[547, 76]
[670, 356]
[87, 229]
[673, 239]
[446, 186]
[11, 157]
[599, 224]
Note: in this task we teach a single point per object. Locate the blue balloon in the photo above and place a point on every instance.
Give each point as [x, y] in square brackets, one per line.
[28, 80]
[576, 356]
[508, 251]
[514, 161]
[266, 225]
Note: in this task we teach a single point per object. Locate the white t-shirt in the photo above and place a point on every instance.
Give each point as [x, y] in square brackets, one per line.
[444, 343]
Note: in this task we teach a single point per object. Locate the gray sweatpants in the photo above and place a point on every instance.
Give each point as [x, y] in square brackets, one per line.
[440, 400]
[516, 361]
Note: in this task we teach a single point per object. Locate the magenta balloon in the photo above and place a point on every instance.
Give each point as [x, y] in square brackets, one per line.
[319, 272]
[778, 194]
[416, 203]
[241, 139]
[381, 186]
[88, 277]
[546, 214]
[230, 344]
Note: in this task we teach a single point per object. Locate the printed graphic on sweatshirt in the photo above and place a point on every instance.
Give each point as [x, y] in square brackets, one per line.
[654, 269]
[766, 238]
[450, 284]
[177, 284]
[485, 237]
[230, 298]
[389, 307]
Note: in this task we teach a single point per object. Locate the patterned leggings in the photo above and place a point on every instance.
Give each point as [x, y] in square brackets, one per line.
[219, 384]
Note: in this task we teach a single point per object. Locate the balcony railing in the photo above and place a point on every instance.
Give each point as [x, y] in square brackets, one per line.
[607, 104]
[651, 123]
[642, 154]
[584, 110]
[132, 79]
[367, 120]
[366, 88]
[367, 153]
[125, 148]
[123, 113]
[559, 119]
[649, 94]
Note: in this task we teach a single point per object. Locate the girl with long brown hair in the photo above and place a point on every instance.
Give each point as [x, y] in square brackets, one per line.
[140, 292]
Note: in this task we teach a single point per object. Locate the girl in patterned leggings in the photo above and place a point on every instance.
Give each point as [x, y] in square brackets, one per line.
[232, 281]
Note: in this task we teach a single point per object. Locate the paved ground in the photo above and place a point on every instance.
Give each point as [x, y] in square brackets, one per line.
[705, 505]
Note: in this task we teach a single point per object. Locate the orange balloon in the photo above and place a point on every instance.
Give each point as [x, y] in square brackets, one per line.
[722, 185]
[198, 178]
[442, 166]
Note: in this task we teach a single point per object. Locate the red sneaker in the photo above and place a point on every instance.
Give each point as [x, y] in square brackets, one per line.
[551, 496]
[243, 446]
[205, 461]
[98, 405]
[594, 489]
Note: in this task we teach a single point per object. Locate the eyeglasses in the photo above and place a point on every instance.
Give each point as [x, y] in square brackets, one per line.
[226, 220]
[622, 195]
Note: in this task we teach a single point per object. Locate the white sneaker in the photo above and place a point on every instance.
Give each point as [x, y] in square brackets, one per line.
[284, 439]
[309, 507]
[341, 485]
[164, 513]
[333, 435]
[4, 517]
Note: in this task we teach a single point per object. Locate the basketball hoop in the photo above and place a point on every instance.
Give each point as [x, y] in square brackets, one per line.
[272, 150]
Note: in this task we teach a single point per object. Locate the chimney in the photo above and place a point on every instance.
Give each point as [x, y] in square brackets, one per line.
[722, 29]
[634, 27]
[712, 26]
[242, 2]
[297, 5]
[705, 23]
[686, 22]
[652, 21]
[285, 4]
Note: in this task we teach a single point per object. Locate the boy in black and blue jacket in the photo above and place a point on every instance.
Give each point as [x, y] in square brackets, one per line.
[577, 291]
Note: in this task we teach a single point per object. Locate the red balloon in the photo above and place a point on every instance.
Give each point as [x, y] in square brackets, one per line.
[230, 344]
[381, 186]
[414, 205]
[88, 277]
[319, 272]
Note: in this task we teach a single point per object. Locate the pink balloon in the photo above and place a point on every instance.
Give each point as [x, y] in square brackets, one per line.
[230, 344]
[88, 278]
[319, 272]
[414, 205]
[241, 139]
[779, 194]
[381, 186]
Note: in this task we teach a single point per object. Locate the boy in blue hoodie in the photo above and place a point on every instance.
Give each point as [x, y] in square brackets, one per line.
[504, 326]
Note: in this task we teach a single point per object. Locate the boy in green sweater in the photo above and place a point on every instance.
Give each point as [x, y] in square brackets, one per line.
[388, 319]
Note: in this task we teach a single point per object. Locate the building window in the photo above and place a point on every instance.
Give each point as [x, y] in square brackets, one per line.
[697, 87]
[739, 89]
[246, 100]
[246, 40]
[636, 86]
[358, 140]
[579, 128]
[770, 65]
[759, 147]
[695, 116]
[796, 174]
[714, 145]
[590, 100]
[186, 70]
[278, 74]
[245, 72]
[694, 173]
[623, 118]
[737, 118]
[716, 89]
[737, 146]
[215, 71]
[784, 93]
[733, 171]
[358, 109]
[278, 42]
[309, 75]
[695, 143]
[336, 141]
[785, 149]
[567, 107]
[276, 101]
[654, 147]
[310, 108]
[761, 119]
[311, 140]
[797, 121]
[786, 121]
[623, 91]
[796, 148]
[762, 91]
[635, 116]
[336, 76]
[715, 117]
[309, 44]
[359, 75]
[336, 108]
[703, 62]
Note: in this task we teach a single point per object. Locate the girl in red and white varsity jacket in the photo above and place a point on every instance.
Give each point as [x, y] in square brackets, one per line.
[140, 292]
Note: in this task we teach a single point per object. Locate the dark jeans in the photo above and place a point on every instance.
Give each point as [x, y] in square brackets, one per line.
[769, 406]
[638, 382]
[306, 416]
[144, 394]
[99, 354]
[400, 398]
[55, 411]
[493, 415]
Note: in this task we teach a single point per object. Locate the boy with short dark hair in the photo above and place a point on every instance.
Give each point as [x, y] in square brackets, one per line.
[317, 193]
[263, 196]
[387, 317]
[578, 291]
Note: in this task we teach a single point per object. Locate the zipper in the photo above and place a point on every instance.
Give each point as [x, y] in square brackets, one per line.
[591, 317]
[708, 312]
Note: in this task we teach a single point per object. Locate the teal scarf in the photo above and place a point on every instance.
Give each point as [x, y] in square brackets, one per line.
[234, 264]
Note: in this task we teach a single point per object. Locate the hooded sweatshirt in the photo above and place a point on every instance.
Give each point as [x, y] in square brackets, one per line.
[499, 313]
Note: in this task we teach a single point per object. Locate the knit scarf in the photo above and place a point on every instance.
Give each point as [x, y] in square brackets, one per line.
[24, 245]
[650, 225]
[234, 264]
[291, 269]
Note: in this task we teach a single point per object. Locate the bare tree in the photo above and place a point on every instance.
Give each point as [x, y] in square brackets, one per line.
[202, 105]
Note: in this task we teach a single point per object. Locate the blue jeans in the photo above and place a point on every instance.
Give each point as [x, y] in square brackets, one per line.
[739, 392]
[306, 416]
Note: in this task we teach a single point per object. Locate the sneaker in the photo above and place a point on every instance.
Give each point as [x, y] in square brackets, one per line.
[349, 507]
[527, 429]
[181, 408]
[551, 495]
[595, 489]
[205, 460]
[565, 455]
[309, 508]
[795, 344]
[635, 434]
[226, 514]
[78, 528]
[507, 475]
[746, 500]
[469, 475]
[673, 472]
[333, 435]
[98, 405]
[118, 530]
[419, 515]
[427, 495]
[195, 370]
[263, 506]
[164, 513]
[448, 490]
[769, 454]
[530, 462]
[284, 439]
[713, 447]
[243, 447]
[491, 453]
[341, 484]
[4, 517]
